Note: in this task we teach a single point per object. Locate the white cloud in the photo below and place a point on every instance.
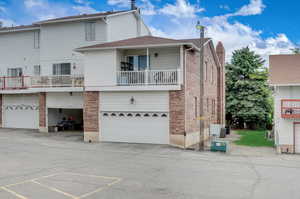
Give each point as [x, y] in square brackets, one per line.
[120, 3]
[181, 9]
[255, 7]
[2, 9]
[84, 7]
[147, 8]
[34, 3]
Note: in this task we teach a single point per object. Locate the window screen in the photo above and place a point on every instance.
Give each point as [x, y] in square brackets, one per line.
[90, 31]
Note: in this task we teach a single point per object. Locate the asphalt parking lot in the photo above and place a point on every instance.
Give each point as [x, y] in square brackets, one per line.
[35, 166]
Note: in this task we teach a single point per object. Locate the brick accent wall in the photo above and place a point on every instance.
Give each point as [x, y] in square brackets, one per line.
[177, 111]
[42, 110]
[192, 92]
[221, 55]
[185, 104]
[1, 105]
[91, 111]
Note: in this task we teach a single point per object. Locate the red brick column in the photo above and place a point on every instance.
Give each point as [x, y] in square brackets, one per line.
[91, 116]
[177, 117]
[42, 113]
[1, 105]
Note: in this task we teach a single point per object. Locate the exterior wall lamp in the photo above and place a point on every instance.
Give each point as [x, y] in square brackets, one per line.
[132, 100]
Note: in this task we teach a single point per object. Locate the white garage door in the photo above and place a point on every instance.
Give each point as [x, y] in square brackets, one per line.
[297, 138]
[135, 127]
[21, 111]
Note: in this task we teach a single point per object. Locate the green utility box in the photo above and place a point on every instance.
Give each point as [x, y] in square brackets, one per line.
[217, 145]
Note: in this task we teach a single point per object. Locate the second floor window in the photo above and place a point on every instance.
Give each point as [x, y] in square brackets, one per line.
[62, 69]
[37, 70]
[14, 72]
[90, 31]
[36, 39]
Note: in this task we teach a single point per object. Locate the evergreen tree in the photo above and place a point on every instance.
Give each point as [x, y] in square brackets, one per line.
[248, 96]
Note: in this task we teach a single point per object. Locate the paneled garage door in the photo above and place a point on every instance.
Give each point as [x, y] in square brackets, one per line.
[21, 111]
[135, 127]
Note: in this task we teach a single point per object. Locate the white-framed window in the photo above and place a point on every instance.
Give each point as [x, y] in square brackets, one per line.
[37, 70]
[90, 31]
[14, 72]
[62, 69]
[36, 39]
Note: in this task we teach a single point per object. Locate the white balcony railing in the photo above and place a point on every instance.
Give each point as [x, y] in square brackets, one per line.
[23, 82]
[58, 81]
[148, 77]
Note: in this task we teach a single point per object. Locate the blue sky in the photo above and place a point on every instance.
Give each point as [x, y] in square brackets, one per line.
[266, 26]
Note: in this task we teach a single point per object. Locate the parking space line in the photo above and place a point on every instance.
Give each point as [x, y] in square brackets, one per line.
[95, 176]
[25, 181]
[13, 193]
[100, 189]
[55, 190]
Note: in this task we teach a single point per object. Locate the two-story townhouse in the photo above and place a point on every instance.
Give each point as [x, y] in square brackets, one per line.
[38, 65]
[285, 79]
[147, 90]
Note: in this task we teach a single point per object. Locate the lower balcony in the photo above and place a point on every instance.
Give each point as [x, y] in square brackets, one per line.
[148, 77]
[25, 82]
[290, 108]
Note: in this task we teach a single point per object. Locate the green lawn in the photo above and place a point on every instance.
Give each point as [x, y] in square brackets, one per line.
[253, 138]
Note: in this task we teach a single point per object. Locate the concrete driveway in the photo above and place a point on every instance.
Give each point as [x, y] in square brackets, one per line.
[35, 166]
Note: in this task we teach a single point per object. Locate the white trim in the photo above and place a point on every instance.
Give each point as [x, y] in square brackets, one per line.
[19, 29]
[134, 88]
[138, 46]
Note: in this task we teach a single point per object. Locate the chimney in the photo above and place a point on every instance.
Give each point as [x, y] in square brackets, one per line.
[133, 7]
[221, 53]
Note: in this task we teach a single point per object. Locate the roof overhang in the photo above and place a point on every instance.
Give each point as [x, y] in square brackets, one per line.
[9, 30]
[83, 18]
[139, 47]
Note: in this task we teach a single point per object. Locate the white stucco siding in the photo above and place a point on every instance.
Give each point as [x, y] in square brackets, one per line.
[65, 100]
[143, 101]
[17, 50]
[122, 27]
[284, 127]
[100, 68]
[58, 42]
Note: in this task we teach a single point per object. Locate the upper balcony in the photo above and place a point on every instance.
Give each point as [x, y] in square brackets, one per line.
[290, 108]
[26, 82]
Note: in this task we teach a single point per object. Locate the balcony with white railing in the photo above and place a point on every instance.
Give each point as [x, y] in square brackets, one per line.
[148, 77]
[26, 82]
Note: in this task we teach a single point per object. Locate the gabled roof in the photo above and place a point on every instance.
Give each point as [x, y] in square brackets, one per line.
[36, 25]
[284, 69]
[142, 42]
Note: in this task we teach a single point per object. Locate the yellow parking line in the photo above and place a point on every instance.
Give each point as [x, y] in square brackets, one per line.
[14, 193]
[55, 190]
[95, 176]
[25, 181]
[100, 189]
